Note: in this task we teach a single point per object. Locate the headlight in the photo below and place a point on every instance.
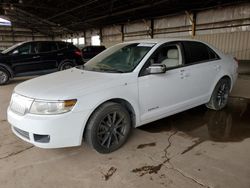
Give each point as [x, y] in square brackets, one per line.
[52, 107]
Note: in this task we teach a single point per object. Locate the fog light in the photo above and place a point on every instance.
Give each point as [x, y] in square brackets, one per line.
[41, 138]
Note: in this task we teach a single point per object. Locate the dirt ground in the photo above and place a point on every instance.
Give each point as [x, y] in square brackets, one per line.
[196, 148]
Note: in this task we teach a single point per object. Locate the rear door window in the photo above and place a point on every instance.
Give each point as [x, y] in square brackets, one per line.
[44, 47]
[196, 52]
[72, 47]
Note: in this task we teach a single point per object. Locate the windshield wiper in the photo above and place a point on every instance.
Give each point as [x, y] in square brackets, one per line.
[111, 70]
[80, 67]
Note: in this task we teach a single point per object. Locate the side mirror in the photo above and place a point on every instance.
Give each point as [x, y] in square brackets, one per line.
[157, 69]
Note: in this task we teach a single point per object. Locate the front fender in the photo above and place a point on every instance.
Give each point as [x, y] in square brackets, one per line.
[8, 69]
[92, 101]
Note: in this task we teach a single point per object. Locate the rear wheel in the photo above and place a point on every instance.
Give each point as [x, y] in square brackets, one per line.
[220, 95]
[4, 76]
[108, 128]
[66, 65]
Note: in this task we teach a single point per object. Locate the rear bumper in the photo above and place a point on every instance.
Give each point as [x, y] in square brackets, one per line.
[49, 131]
[234, 77]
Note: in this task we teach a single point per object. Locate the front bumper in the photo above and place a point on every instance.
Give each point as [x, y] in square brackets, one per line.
[49, 131]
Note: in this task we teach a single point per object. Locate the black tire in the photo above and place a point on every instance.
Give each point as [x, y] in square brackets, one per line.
[220, 95]
[65, 66]
[4, 76]
[108, 128]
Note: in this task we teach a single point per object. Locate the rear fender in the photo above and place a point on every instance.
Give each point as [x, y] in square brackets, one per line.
[217, 80]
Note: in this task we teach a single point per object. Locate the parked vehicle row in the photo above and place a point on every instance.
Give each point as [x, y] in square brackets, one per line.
[37, 58]
[42, 57]
[89, 52]
[126, 86]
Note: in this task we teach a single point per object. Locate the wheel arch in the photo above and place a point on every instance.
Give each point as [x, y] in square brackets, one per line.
[227, 77]
[213, 102]
[66, 61]
[8, 69]
[128, 107]
[218, 79]
[230, 80]
[125, 103]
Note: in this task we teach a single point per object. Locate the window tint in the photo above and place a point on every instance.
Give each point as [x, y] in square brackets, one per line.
[85, 49]
[168, 55]
[197, 52]
[24, 49]
[212, 54]
[46, 47]
[62, 45]
[93, 49]
[34, 47]
[71, 46]
[119, 58]
[100, 48]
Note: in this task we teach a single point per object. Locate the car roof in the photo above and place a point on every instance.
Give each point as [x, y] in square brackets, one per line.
[101, 46]
[162, 40]
[32, 41]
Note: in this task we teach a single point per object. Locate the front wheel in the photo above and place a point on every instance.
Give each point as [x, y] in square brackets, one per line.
[108, 128]
[220, 95]
[4, 76]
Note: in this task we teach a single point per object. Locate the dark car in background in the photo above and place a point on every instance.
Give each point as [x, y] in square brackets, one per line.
[89, 52]
[37, 58]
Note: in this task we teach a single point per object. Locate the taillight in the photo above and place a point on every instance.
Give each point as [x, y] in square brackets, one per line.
[236, 60]
[78, 52]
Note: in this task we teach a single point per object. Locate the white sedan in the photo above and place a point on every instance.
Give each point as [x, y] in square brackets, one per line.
[127, 85]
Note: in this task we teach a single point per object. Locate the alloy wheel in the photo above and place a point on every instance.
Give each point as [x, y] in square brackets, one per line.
[222, 95]
[111, 130]
[3, 77]
[67, 66]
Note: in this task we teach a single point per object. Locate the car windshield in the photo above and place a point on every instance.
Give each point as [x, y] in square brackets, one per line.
[11, 48]
[119, 58]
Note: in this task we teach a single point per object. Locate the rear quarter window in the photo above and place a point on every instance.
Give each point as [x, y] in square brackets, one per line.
[196, 52]
[62, 45]
[85, 49]
[72, 47]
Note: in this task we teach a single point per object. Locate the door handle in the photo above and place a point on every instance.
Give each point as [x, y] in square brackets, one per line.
[184, 74]
[217, 67]
[35, 56]
[60, 54]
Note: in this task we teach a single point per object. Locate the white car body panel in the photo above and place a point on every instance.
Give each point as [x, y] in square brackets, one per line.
[151, 97]
[63, 130]
[173, 98]
[60, 85]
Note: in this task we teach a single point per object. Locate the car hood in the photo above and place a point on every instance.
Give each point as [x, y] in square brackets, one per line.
[69, 84]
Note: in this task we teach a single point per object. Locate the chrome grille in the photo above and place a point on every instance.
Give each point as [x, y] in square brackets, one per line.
[20, 104]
